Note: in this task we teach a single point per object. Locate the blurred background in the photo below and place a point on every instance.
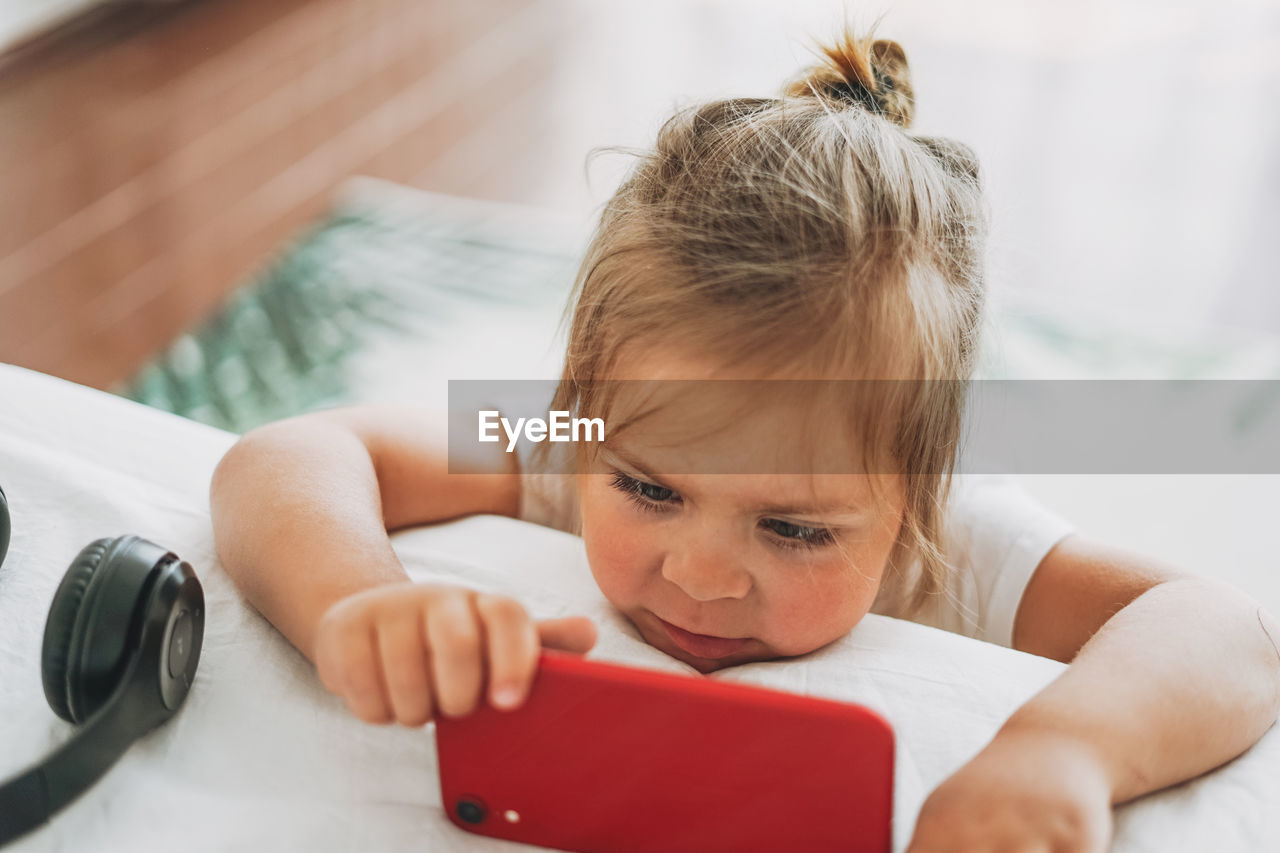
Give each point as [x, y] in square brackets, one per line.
[238, 210]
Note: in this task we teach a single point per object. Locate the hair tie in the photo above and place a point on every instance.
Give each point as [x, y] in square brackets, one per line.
[854, 90]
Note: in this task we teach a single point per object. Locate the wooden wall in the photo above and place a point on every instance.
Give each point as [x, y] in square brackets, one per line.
[149, 164]
[151, 159]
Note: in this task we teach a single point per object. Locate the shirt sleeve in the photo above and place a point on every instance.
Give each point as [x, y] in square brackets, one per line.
[548, 495]
[997, 534]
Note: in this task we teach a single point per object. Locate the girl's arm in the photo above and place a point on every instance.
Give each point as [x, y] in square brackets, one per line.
[301, 510]
[301, 507]
[1181, 680]
[1170, 676]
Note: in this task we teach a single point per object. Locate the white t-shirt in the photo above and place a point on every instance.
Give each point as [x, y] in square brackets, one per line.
[997, 535]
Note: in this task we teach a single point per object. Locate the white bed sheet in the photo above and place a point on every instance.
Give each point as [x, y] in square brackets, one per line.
[262, 757]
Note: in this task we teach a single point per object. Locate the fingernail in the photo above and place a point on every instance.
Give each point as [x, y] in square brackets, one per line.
[506, 697]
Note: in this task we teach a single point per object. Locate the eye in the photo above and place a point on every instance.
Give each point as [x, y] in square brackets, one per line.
[790, 535]
[646, 495]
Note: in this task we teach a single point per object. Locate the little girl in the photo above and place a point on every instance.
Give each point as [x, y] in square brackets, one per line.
[806, 237]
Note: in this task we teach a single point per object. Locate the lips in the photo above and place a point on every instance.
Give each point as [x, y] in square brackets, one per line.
[702, 645]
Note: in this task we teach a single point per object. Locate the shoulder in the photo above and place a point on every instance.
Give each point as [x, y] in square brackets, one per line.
[548, 491]
[1078, 586]
[994, 534]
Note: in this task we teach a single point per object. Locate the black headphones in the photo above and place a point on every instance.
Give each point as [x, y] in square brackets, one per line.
[120, 651]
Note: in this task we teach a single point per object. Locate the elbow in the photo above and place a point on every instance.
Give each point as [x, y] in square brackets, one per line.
[226, 493]
[1271, 632]
[224, 474]
[243, 457]
[1250, 659]
[236, 491]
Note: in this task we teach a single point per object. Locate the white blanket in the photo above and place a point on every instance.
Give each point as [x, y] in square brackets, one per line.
[261, 757]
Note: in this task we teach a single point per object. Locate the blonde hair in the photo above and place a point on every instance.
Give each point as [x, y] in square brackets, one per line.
[812, 231]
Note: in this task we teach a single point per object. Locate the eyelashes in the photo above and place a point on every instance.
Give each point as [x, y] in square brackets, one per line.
[797, 536]
[785, 534]
[646, 495]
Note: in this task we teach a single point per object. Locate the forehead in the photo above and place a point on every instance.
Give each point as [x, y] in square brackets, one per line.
[763, 426]
[686, 413]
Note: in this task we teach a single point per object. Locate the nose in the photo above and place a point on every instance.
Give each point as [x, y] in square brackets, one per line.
[706, 575]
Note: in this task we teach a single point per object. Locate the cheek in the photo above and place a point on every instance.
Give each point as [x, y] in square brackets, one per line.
[819, 604]
[822, 605]
[619, 548]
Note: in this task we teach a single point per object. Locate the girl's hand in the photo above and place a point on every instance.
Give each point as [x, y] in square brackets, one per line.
[405, 652]
[1027, 791]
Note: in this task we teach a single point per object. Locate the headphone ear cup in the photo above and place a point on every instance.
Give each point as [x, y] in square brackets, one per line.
[4, 526]
[56, 653]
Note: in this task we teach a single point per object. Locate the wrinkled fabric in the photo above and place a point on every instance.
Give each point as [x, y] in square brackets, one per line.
[262, 757]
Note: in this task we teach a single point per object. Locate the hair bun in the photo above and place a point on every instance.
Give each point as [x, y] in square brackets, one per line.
[870, 73]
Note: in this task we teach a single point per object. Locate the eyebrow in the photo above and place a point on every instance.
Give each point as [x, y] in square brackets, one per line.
[769, 509]
[629, 461]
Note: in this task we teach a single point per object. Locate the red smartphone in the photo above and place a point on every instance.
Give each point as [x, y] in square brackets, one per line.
[603, 757]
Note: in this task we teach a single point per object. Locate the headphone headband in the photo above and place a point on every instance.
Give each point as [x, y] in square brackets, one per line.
[132, 617]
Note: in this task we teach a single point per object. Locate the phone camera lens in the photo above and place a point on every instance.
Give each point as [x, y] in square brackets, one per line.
[472, 811]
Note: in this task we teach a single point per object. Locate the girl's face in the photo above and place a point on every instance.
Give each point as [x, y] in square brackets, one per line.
[721, 569]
